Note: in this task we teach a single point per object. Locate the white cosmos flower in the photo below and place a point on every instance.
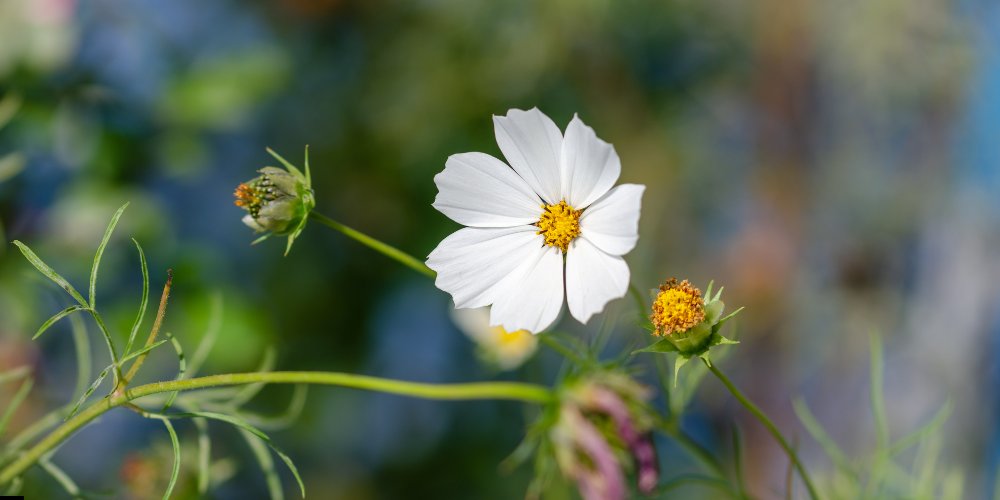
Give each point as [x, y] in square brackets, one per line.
[550, 224]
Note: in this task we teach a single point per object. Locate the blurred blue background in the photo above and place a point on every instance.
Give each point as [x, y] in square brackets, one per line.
[836, 165]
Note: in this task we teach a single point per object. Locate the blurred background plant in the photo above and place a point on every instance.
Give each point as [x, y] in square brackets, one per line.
[834, 164]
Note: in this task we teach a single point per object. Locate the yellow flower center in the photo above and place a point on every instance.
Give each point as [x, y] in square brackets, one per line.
[677, 307]
[559, 224]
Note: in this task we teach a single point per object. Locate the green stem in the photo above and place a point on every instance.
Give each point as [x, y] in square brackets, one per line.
[773, 429]
[515, 391]
[387, 250]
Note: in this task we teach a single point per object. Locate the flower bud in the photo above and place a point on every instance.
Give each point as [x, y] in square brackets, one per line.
[602, 433]
[686, 322]
[277, 202]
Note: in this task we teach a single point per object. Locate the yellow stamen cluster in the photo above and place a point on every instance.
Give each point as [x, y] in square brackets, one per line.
[677, 307]
[559, 224]
[251, 196]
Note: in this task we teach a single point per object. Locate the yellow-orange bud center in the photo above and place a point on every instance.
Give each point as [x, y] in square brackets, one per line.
[677, 308]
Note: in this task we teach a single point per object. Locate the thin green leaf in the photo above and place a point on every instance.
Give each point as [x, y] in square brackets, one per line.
[877, 397]
[145, 349]
[176, 444]
[143, 303]
[90, 390]
[210, 336]
[15, 402]
[248, 391]
[266, 463]
[108, 342]
[181, 369]
[15, 487]
[61, 477]
[687, 479]
[56, 317]
[939, 418]
[15, 374]
[308, 174]
[286, 418]
[204, 455]
[242, 424]
[30, 433]
[100, 253]
[738, 459]
[291, 168]
[819, 434]
[81, 346]
[50, 273]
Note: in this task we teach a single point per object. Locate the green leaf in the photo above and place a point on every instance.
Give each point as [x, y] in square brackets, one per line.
[100, 253]
[50, 273]
[663, 345]
[285, 418]
[81, 347]
[209, 337]
[204, 455]
[266, 463]
[291, 168]
[242, 424]
[181, 369]
[247, 392]
[682, 359]
[56, 317]
[877, 398]
[932, 426]
[819, 434]
[145, 349]
[15, 374]
[61, 477]
[15, 487]
[15, 402]
[144, 302]
[176, 471]
[90, 390]
[308, 175]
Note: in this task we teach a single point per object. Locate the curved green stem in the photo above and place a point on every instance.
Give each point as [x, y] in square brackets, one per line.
[515, 391]
[773, 429]
[387, 250]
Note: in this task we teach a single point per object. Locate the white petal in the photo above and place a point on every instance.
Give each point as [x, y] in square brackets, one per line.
[472, 263]
[532, 144]
[590, 166]
[593, 278]
[612, 222]
[532, 297]
[476, 189]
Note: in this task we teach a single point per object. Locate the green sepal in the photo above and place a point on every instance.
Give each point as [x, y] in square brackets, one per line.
[682, 359]
[663, 345]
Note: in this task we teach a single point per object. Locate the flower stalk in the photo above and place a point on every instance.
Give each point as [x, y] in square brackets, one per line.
[769, 424]
[512, 391]
[380, 247]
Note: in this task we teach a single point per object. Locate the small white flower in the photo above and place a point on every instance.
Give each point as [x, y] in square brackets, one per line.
[555, 200]
[495, 345]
